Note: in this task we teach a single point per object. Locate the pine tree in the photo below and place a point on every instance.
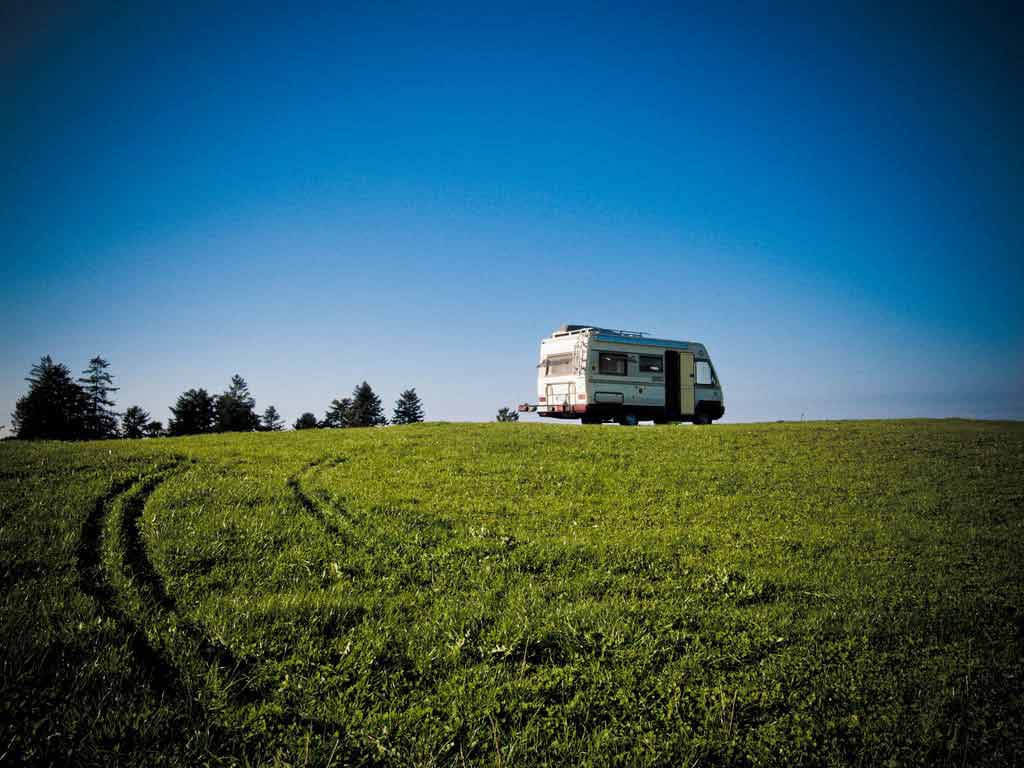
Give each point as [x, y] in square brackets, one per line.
[193, 413]
[154, 429]
[366, 410]
[235, 409]
[408, 408]
[100, 419]
[338, 414]
[271, 420]
[55, 406]
[134, 423]
[507, 414]
[305, 421]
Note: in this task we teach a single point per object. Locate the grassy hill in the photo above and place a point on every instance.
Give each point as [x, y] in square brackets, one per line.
[787, 594]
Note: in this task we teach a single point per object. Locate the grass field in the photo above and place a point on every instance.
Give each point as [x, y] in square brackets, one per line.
[506, 595]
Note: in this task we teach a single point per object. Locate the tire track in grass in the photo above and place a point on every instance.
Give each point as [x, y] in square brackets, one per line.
[93, 582]
[243, 688]
[144, 577]
[334, 518]
[328, 512]
[311, 507]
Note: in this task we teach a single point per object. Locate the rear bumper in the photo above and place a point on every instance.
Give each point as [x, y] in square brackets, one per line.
[565, 409]
[550, 410]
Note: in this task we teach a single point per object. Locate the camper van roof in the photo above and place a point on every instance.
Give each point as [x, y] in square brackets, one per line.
[627, 337]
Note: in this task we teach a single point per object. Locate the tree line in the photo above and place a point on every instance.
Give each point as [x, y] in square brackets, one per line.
[58, 406]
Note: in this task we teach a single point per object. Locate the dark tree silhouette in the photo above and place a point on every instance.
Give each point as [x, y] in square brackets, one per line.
[507, 414]
[98, 384]
[55, 406]
[154, 429]
[366, 410]
[235, 409]
[193, 413]
[338, 414]
[271, 420]
[408, 408]
[134, 423]
[306, 421]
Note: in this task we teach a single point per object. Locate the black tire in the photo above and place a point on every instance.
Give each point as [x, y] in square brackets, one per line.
[702, 419]
[628, 419]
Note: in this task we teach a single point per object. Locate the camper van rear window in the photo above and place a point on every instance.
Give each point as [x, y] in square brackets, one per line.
[651, 364]
[611, 362]
[559, 365]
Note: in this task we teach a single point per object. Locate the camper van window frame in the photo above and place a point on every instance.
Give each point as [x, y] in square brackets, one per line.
[659, 358]
[625, 360]
[564, 358]
[711, 372]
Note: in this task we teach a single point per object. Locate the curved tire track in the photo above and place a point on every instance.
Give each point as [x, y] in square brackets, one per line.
[241, 688]
[314, 509]
[93, 582]
[149, 583]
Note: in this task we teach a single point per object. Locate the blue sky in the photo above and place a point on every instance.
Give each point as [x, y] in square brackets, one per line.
[830, 200]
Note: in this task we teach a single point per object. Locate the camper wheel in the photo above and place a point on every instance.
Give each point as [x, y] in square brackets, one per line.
[702, 419]
[628, 419]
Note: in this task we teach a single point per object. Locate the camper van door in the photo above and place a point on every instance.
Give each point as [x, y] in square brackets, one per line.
[686, 383]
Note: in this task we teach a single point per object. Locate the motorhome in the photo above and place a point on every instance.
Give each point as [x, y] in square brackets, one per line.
[598, 374]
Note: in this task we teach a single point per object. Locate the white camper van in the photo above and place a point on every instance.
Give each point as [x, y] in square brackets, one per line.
[597, 374]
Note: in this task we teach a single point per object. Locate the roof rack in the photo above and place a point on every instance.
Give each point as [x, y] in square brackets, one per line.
[574, 327]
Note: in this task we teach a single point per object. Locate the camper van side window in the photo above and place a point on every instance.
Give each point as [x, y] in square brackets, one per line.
[611, 362]
[651, 364]
[703, 370]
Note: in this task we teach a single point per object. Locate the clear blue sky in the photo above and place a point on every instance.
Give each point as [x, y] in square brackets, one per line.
[830, 200]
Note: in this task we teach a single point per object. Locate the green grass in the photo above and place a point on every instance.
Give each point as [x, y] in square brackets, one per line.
[506, 595]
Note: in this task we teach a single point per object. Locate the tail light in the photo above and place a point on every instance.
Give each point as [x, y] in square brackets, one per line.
[581, 396]
[542, 399]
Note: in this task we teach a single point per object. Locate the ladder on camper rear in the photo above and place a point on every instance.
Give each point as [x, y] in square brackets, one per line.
[560, 395]
[579, 355]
